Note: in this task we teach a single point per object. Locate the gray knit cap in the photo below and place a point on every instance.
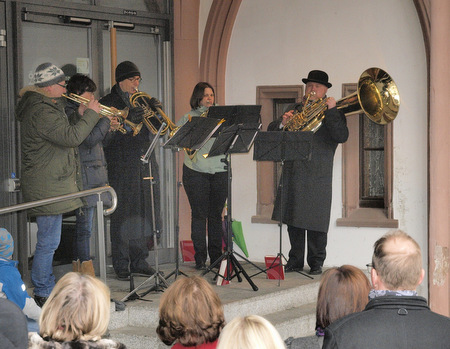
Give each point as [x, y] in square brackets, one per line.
[6, 244]
[48, 74]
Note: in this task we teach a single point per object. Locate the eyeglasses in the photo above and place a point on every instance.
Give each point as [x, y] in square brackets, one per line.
[369, 267]
[62, 85]
[135, 79]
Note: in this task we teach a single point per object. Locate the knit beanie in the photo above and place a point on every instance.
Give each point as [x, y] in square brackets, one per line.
[48, 74]
[126, 70]
[6, 244]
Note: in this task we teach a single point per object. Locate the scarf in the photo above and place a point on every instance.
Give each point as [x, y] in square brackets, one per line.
[379, 293]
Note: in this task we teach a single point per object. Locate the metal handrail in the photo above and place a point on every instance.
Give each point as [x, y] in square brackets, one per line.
[79, 194]
[100, 213]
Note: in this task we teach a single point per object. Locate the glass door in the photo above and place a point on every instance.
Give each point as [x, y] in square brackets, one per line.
[79, 44]
[143, 45]
[67, 47]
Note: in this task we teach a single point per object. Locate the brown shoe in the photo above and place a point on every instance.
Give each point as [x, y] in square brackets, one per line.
[76, 266]
[87, 268]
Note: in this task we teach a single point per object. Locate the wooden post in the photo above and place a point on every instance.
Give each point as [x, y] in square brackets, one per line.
[113, 53]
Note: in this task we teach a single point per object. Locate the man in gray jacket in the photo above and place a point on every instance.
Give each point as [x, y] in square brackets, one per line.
[49, 163]
[395, 317]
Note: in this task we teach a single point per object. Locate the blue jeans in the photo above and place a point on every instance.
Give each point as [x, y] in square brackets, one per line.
[32, 325]
[48, 238]
[81, 241]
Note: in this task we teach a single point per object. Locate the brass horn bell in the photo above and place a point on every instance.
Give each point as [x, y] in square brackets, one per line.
[376, 95]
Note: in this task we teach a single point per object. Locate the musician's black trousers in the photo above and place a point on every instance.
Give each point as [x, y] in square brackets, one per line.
[207, 194]
[317, 243]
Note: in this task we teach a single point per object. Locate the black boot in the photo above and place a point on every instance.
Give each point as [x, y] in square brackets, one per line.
[40, 301]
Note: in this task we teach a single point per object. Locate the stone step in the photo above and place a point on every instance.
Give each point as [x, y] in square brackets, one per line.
[294, 322]
[291, 310]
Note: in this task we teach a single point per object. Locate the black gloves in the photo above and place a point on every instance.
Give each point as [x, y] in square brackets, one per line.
[155, 103]
[136, 115]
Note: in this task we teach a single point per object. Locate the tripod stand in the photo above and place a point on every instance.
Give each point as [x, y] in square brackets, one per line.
[282, 146]
[160, 282]
[177, 271]
[235, 139]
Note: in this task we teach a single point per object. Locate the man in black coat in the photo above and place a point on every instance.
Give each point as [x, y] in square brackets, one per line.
[307, 184]
[395, 317]
[131, 223]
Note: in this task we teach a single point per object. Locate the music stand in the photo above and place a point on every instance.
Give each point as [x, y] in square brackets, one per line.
[237, 138]
[280, 147]
[160, 282]
[192, 135]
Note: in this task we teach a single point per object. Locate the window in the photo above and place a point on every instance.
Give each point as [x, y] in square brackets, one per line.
[366, 172]
[371, 154]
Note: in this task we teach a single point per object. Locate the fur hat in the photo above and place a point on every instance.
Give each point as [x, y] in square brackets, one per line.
[317, 76]
[126, 70]
[6, 244]
[48, 74]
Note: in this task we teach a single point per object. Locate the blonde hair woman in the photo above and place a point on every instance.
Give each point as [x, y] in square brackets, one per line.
[250, 332]
[76, 315]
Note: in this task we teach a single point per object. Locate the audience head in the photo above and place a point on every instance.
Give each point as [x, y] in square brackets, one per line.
[79, 84]
[250, 332]
[198, 94]
[342, 291]
[397, 262]
[6, 244]
[190, 312]
[77, 309]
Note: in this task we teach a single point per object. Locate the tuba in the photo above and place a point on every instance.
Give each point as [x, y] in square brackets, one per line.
[376, 95]
[153, 119]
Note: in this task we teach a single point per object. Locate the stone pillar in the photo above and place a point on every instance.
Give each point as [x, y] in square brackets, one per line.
[186, 76]
[439, 169]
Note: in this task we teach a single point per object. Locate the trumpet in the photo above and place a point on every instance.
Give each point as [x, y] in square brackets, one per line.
[109, 112]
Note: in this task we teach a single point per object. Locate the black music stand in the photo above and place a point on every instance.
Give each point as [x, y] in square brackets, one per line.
[160, 282]
[280, 147]
[192, 135]
[237, 138]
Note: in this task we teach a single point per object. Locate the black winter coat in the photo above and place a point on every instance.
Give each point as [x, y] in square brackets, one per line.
[129, 176]
[308, 184]
[402, 322]
[92, 160]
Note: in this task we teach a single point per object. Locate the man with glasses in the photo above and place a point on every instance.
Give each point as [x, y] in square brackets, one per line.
[395, 317]
[131, 223]
[48, 143]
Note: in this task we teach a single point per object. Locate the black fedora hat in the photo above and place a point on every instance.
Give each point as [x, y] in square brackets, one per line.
[317, 76]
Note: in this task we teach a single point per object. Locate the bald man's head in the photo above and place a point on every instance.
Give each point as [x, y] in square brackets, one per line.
[398, 261]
